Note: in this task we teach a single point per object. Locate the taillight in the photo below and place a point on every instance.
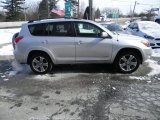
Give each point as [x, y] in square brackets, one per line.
[18, 39]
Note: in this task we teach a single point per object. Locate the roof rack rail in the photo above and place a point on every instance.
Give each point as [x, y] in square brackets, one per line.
[31, 21]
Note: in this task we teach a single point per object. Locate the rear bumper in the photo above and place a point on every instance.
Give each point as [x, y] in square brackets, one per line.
[20, 57]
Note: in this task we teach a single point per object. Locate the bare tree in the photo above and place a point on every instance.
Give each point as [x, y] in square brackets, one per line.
[82, 9]
[32, 11]
[2, 16]
[109, 12]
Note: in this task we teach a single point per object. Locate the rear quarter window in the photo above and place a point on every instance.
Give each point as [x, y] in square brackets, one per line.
[38, 29]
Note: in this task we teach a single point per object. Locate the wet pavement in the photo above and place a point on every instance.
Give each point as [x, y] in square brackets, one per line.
[78, 92]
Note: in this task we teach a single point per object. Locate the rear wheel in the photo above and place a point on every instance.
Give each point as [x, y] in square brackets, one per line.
[127, 62]
[40, 63]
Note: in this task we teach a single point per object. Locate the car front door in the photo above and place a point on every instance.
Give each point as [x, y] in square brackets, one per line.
[90, 46]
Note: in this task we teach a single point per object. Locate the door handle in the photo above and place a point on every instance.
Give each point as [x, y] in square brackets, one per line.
[80, 42]
[44, 42]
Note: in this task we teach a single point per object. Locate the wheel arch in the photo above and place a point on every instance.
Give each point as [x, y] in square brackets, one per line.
[39, 51]
[138, 52]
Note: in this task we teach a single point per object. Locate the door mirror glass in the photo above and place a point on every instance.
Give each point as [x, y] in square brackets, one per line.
[104, 35]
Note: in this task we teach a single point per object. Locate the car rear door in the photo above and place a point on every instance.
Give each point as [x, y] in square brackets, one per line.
[61, 41]
[90, 46]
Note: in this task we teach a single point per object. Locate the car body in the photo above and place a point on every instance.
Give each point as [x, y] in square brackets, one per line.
[114, 27]
[148, 30]
[45, 43]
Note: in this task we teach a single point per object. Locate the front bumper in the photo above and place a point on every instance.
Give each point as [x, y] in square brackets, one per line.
[147, 53]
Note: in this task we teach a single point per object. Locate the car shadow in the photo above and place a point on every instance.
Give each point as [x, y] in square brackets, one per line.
[84, 68]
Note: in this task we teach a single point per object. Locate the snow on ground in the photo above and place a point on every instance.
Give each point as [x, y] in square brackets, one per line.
[6, 50]
[6, 35]
[17, 68]
[139, 77]
[156, 53]
[154, 66]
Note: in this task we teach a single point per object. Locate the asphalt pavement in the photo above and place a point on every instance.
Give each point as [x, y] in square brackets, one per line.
[78, 92]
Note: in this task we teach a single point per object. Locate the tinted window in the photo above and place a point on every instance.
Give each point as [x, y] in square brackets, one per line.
[114, 27]
[135, 26]
[38, 29]
[87, 30]
[60, 29]
[158, 21]
[131, 26]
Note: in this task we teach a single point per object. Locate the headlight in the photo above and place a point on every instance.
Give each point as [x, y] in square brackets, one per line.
[146, 43]
[148, 37]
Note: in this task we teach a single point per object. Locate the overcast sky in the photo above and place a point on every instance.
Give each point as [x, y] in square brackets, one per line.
[123, 5]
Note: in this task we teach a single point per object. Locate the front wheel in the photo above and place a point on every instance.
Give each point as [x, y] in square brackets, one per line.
[127, 62]
[40, 63]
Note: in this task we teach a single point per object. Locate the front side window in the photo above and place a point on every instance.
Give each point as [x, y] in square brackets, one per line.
[60, 29]
[114, 27]
[131, 25]
[87, 30]
[135, 26]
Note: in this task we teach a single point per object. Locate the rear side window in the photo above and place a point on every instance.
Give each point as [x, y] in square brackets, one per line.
[60, 29]
[39, 29]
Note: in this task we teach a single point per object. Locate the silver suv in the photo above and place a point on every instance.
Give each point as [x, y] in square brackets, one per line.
[45, 43]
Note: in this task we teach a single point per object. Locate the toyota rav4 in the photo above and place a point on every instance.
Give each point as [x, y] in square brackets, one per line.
[45, 43]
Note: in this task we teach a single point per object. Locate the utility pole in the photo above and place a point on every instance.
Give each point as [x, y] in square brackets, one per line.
[134, 9]
[78, 9]
[90, 9]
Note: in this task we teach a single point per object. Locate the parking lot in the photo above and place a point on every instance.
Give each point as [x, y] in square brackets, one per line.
[79, 92]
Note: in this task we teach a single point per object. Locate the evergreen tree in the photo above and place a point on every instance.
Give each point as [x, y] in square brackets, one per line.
[14, 8]
[97, 13]
[45, 8]
[52, 4]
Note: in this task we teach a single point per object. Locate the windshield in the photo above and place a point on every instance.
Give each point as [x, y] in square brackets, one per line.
[149, 26]
[113, 27]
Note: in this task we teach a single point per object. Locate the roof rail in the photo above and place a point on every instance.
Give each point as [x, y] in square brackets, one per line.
[31, 21]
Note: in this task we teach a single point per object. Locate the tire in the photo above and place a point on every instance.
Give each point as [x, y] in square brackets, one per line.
[40, 63]
[127, 62]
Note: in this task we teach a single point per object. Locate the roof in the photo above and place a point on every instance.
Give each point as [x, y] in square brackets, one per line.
[57, 20]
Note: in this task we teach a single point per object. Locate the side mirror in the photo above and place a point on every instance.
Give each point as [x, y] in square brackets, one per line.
[104, 35]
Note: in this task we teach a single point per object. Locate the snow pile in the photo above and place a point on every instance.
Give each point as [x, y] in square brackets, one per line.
[6, 35]
[154, 66]
[6, 50]
[17, 67]
[139, 78]
[156, 53]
